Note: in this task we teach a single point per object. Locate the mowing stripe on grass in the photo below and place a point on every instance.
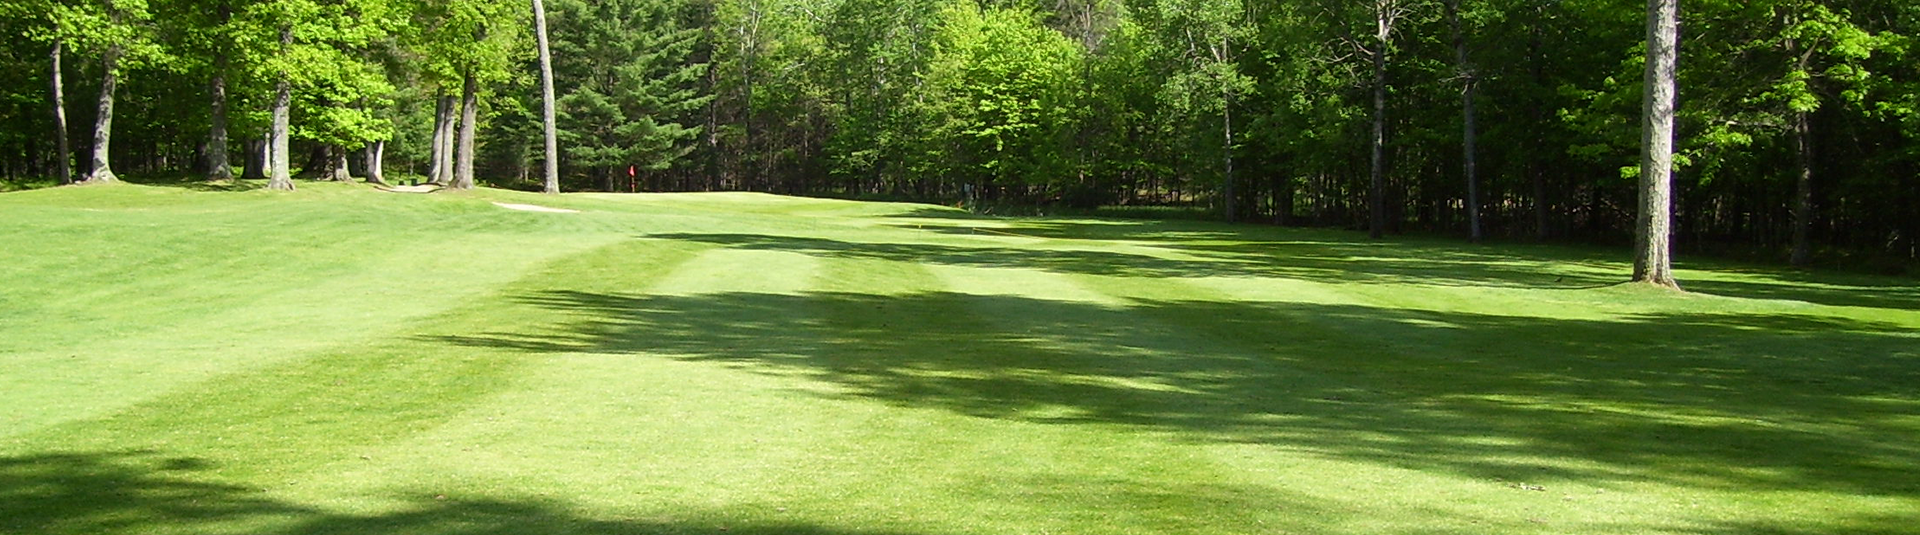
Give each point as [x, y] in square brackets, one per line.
[766, 365]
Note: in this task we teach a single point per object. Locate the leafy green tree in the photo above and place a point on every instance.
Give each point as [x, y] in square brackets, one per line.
[120, 32]
[1199, 43]
[999, 90]
[874, 52]
[317, 54]
[1788, 60]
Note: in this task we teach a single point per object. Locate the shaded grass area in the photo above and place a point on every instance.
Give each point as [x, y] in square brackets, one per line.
[1729, 402]
[19, 184]
[342, 361]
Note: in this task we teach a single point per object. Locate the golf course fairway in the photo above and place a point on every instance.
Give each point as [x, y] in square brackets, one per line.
[339, 360]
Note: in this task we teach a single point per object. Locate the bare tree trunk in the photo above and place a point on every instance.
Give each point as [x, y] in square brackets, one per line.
[376, 159]
[255, 167]
[279, 161]
[65, 164]
[434, 145]
[102, 170]
[341, 171]
[1542, 207]
[1802, 252]
[1471, 148]
[319, 164]
[758, 148]
[469, 114]
[1226, 150]
[1469, 120]
[552, 152]
[1803, 196]
[1653, 258]
[1376, 185]
[218, 167]
[440, 159]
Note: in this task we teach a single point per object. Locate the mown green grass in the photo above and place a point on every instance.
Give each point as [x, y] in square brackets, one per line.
[338, 360]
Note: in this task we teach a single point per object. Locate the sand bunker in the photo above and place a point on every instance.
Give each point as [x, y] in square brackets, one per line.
[423, 188]
[534, 208]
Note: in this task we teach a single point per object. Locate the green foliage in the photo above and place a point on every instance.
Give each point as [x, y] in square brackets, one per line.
[487, 38]
[626, 96]
[1082, 102]
[998, 98]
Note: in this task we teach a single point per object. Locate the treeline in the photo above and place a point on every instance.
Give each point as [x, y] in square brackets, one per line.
[1515, 118]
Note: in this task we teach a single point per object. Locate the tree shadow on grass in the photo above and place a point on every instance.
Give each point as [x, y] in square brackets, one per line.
[1891, 523]
[197, 183]
[147, 492]
[116, 492]
[1835, 290]
[1706, 401]
[1315, 261]
[96, 493]
[1333, 255]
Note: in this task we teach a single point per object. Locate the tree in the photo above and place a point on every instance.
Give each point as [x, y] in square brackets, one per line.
[1202, 41]
[1653, 258]
[1386, 15]
[1795, 58]
[116, 31]
[63, 166]
[1469, 117]
[551, 164]
[630, 93]
[440, 166]
[204, 33]
[279, 161]
[463, 144]
[476, 43]
[998, 87]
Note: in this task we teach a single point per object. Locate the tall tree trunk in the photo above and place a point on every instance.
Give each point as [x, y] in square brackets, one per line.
[440, 160]
[1469, 120]
[1653, 258]
[1377, 161]
[757, 149]
[552, 151]
[1542, 206]
[1226, 151]
[63, 166]
[469, 114]
[376, 159]
[280, 161]
[1802, 252]
[709, 84]
[1283, 196]
[102, 170]
[255, 167]
[341, 171]
[218, 168]
[1803, 194]
[319, 164]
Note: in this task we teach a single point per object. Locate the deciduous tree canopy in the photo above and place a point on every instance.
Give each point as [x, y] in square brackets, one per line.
[1796, 131]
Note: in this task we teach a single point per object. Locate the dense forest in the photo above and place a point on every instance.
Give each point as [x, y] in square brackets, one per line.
[1798, 127]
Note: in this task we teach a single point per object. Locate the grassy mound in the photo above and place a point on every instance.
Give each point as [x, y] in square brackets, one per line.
[340, 360]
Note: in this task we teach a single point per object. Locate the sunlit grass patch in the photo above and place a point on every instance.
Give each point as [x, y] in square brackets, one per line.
[340, 360]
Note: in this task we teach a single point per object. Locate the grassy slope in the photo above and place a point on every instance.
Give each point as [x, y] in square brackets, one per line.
[343, 361]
